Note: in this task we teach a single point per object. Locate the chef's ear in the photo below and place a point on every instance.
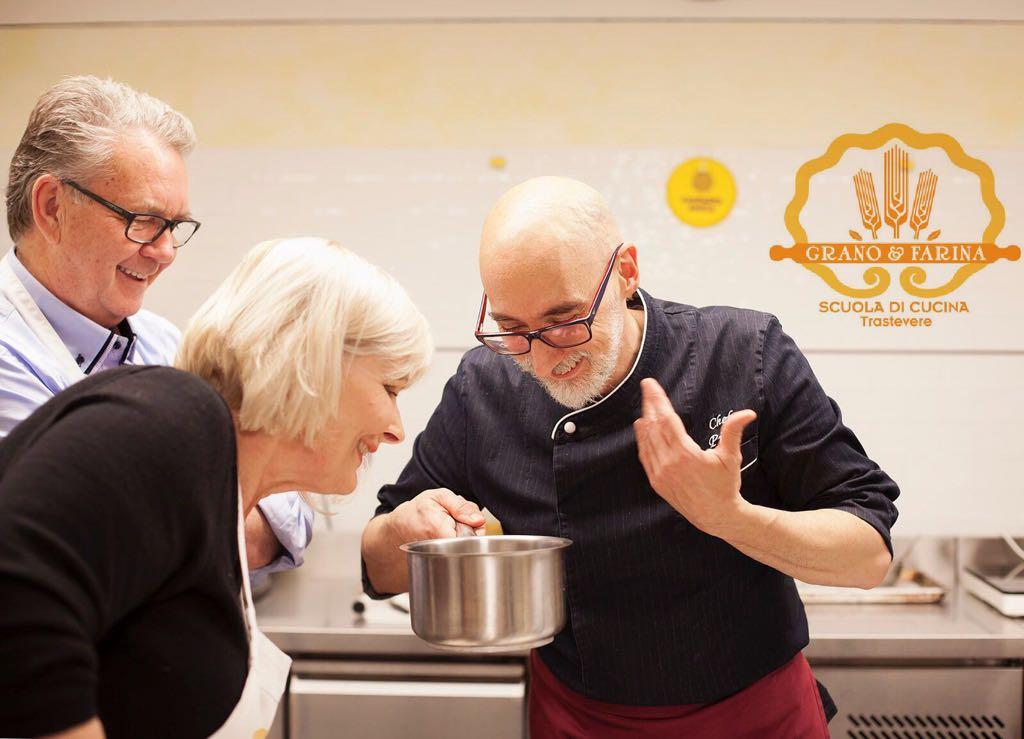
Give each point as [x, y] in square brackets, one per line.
[47, 204]
[628, 270]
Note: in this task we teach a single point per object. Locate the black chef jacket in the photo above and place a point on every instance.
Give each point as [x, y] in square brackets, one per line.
[660, 613]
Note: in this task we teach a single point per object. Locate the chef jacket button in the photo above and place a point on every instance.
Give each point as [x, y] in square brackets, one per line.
[117, 344]
[79, 359]
[569, 427]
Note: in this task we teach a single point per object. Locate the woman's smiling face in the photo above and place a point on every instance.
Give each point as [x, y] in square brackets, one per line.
[367, 417]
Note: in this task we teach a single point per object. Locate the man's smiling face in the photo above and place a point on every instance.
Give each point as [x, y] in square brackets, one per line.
[105, 275]
[530, 287]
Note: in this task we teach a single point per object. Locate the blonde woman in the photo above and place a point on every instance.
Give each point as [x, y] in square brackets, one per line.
[122, 569]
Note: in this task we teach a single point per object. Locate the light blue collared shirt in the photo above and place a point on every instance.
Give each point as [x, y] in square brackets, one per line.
[30, 375]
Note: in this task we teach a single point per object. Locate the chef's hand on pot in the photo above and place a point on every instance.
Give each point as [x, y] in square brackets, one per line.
[434, 514]
[703, 485]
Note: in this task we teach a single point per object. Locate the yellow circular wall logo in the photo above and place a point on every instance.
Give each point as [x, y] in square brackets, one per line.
[866, 207]
[701, 192]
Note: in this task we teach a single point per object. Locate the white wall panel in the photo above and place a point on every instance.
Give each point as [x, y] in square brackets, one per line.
[418, 214]
[946, 427]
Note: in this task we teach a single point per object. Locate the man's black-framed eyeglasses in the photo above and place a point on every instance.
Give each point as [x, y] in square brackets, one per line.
[564, 335]
[145, 228]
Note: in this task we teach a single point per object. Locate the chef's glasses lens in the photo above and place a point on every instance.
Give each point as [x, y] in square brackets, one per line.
[560, 337]
[508, 344]
[564, 337]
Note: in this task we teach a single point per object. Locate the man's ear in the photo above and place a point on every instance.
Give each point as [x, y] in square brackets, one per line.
[47, 207]
[628, 271]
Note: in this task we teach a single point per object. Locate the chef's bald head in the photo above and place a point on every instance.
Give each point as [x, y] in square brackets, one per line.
[556, 221]
[545, 252]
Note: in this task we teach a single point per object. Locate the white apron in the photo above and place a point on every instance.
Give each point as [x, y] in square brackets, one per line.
[22, 301]
[268, 667]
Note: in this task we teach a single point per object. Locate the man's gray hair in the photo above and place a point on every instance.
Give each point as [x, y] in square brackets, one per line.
[74, 130]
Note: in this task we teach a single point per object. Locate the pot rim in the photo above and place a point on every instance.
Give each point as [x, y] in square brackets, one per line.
[552, 543]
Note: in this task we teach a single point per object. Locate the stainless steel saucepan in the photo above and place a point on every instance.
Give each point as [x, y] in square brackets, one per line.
[487, 593]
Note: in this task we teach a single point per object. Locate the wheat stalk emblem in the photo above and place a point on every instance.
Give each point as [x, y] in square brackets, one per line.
[923, 199]
[864, 185]
[896, 184]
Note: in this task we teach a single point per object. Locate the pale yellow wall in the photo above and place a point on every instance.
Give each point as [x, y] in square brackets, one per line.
[557, 84]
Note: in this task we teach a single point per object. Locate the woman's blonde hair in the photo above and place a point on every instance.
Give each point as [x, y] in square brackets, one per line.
[275, 337]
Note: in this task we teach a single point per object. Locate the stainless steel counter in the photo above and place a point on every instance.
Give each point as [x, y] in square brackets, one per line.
[311, 615]
[305, 613]
[960, 627]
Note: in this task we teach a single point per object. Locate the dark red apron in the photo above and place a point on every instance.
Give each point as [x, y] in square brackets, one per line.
[783, 704]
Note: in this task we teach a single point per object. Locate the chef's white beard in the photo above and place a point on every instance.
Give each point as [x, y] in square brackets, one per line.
[583, 390]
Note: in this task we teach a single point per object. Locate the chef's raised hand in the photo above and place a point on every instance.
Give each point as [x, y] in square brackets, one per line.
[703, 485]
[434, 514]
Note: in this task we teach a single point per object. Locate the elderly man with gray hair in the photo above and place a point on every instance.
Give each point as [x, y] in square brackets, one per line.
[97, 206]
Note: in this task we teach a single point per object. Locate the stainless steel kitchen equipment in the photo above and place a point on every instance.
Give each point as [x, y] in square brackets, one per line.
[487, 593]
[363, 674]
[1000, 587]
[374, 699]
[953, 669]
[906, 700]
[948, 670]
